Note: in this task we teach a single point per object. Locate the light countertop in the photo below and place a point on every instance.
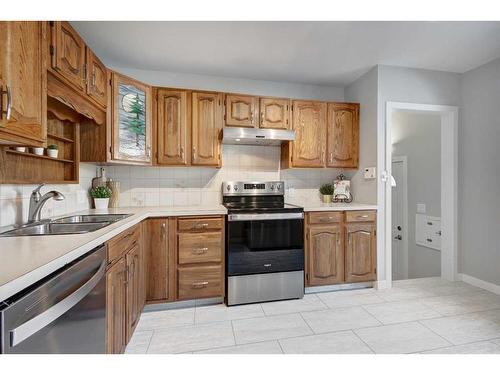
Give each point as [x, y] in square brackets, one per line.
[26, 260]
[317, 205]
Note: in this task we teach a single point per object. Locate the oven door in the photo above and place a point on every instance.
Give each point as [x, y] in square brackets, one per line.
[264, 243]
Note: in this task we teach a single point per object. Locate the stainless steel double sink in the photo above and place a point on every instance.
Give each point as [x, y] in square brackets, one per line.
[76, 224]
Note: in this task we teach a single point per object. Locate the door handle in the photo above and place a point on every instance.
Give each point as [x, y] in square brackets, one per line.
[398, 237]
[29, 328]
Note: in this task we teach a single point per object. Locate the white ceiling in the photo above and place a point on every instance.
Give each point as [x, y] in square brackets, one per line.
[322, 53]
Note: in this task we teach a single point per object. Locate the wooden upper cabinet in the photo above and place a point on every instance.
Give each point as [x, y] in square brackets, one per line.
[173, 127]
[343, 135]
[131, 120]
[361, 254]
[241, 110]
[115, 308]
[309, 123]
[274, 113]
[68, 54]
[206, 128]
[97, 85]
[23, 81]
[326, 254]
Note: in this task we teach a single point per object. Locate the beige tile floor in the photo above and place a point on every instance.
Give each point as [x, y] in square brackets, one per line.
[427, 315]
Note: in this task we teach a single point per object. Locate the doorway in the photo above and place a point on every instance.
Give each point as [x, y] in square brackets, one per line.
[448, 117]
[416, 194]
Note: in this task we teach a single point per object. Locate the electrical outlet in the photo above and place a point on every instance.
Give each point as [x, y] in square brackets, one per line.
[370, 173]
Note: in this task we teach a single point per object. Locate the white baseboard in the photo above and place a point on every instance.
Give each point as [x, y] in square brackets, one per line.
[382, 284]
[494, 288]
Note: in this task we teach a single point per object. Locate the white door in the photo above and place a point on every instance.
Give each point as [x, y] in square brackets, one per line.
[399, 220]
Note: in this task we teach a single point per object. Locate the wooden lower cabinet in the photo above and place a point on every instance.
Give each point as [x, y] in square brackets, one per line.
[158, 275]
[340, 247]
[115, 307]
[326, 254]
[360, 253]
[124, 293]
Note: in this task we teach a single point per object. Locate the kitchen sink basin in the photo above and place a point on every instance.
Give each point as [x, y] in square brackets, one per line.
[55, 228]
[95, 218]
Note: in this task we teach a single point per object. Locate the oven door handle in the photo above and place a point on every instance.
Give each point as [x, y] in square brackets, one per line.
[275, 216]
[34, 325]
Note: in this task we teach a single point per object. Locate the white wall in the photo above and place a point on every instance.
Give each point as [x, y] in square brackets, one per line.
[237, 85]
[418, 137]
[479, 173]
[365, 91]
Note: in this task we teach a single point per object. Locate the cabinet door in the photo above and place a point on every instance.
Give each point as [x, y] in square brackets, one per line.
[309, 123]
[115, 307]
[361, 253]
[23, 82]
[173, 124]
[131, 125]
[69, 54]
[207, 126]
[97, 85]
[343, 135]
[326, 254]
[274, 113]
[157, 260]
[133, 309]
[241, 110]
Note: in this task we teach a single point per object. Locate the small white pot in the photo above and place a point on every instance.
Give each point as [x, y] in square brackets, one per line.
[52, 152]
[38, 150]
[101, 203]
[21, 149]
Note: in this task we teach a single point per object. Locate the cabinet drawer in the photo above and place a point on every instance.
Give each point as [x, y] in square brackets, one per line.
[360, 216]
[199, 282]
[200, 247]
[199, 224]
[325, 217]
[117, 246]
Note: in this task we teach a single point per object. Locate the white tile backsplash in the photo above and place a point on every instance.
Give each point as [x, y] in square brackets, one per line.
[171, 186]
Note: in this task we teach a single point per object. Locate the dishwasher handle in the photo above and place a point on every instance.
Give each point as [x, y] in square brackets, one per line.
[29, 328]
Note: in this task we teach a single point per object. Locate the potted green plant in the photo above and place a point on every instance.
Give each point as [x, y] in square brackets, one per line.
[101, 195]
[326, 191]
[52, 151]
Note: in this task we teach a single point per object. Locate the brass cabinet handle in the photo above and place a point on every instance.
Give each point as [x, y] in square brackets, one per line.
[362, 216]
[148, 151]
[182, 152]
[200, 284]
[331, 157]
[9, 102]
[200, 225]
[93, 78]
[200, 250]
[326, 218]
[194, 153]
[261, 118]
[323, 155]
[163, 230]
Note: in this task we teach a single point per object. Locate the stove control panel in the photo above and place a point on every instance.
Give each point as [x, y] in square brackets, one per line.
[253, 188]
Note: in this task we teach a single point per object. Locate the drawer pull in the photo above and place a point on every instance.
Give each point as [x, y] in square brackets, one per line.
[362, 216]
[200, 284]
[325, 218]
[201, 250]
[200, 225]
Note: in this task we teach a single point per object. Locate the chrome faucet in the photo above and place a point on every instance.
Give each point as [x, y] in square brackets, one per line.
[37, 202]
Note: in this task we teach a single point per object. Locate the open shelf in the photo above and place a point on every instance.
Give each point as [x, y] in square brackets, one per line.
[60, 138]
[30, 155]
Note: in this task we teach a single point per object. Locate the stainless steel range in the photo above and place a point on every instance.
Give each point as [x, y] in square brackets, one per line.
[264, 243]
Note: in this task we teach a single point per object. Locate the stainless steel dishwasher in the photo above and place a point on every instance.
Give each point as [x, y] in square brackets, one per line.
[63, 313]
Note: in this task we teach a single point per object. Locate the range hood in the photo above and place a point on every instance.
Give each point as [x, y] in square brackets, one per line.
[253, 136]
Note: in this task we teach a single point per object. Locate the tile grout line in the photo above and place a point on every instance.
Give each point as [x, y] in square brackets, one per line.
[363, 341]
[234, 334]
[373, 316]
[430, 329]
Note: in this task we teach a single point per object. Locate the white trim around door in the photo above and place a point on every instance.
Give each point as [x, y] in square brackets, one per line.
[449, 183]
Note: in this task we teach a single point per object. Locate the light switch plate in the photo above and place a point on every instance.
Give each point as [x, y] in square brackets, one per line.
[421, 208]
[370, 173]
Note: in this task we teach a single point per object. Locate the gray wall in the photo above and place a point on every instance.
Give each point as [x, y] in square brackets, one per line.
[418, 137]
[479, 173]
[237, 85]
[365, 91]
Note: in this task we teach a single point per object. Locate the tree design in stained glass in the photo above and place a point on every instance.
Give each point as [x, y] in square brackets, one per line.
[132, 121]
